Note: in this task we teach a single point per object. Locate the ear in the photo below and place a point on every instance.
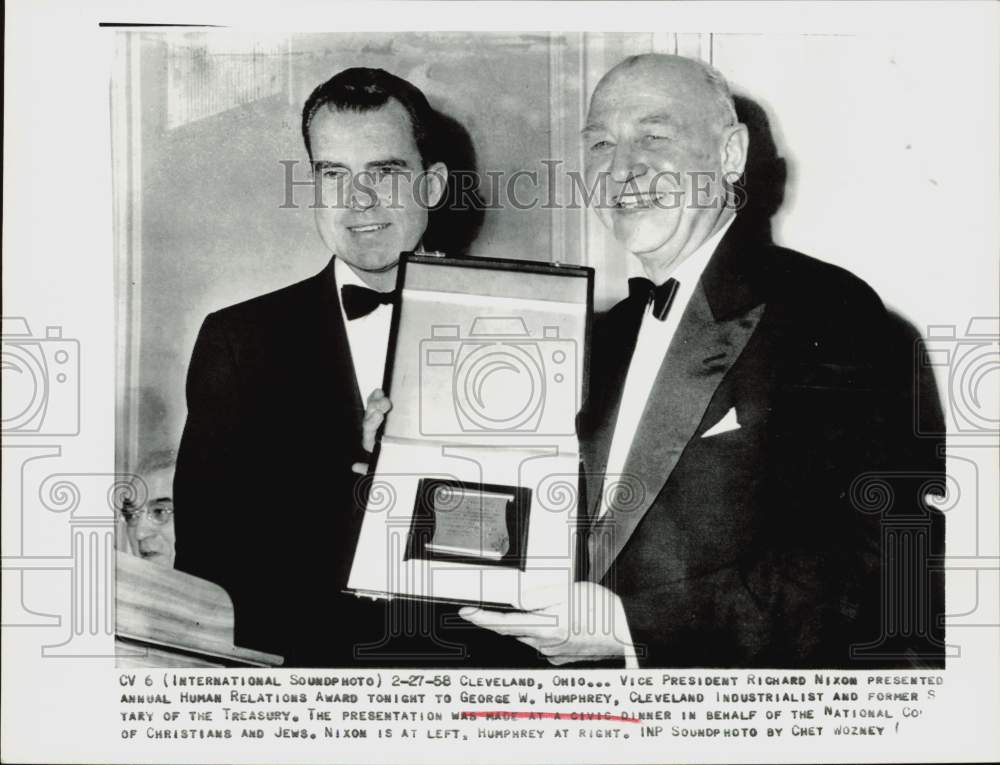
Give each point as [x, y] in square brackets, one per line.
[735, 142]
[435, 182]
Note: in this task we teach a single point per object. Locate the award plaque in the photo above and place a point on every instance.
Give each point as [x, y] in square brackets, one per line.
[483, 524]
[471, 494]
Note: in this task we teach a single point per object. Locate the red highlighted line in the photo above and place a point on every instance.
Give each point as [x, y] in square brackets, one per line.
[577, 716]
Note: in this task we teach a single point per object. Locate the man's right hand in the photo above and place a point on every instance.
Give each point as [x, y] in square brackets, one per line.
[376, 410]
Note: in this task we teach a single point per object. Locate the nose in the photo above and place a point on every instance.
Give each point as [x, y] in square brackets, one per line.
[362, 195]
[145, 528]
[626, 163]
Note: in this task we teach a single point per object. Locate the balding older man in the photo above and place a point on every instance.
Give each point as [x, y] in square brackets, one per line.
[738, 396]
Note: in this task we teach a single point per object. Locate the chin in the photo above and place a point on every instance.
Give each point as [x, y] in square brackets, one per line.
[385, 262]
[641, 241]
[644, 248]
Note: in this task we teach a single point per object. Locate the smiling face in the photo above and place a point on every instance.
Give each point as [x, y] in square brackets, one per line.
[657, 138]
[376, 192]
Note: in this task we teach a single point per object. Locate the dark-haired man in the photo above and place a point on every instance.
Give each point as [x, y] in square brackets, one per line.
[276, 390]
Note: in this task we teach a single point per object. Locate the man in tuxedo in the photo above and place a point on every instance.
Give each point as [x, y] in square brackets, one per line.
[744, 402]
[276, 390]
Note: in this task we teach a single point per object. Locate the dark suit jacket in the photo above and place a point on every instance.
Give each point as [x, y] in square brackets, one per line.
[267, 504]
[771, 544]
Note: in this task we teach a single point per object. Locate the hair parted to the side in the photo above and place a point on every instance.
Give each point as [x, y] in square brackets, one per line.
[455, 221]
[361, 89]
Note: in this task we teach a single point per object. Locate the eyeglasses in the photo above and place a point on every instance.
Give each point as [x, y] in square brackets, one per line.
[159, 513]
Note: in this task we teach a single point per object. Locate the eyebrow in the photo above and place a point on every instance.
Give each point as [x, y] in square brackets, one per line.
[658, 118]
[323, 164]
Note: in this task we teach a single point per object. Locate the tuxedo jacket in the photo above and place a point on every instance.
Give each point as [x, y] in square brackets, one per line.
[784, 541]
[267, 503]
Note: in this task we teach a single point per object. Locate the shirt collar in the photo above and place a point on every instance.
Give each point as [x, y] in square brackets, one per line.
[344, 274]
[691, 268]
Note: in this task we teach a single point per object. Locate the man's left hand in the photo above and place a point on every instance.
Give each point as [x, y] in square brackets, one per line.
[587, 623]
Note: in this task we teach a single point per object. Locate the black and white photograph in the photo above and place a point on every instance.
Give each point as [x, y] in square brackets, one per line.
[631, 381]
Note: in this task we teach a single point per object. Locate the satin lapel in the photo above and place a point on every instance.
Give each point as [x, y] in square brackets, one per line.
[609, 368]
[700, 354]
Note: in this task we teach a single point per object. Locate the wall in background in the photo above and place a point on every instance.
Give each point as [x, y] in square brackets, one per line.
[876, 135]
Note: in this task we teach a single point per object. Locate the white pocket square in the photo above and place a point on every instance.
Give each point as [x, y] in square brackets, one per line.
[726, 424]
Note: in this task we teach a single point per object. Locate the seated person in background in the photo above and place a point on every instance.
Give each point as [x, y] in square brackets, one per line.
[150, 525]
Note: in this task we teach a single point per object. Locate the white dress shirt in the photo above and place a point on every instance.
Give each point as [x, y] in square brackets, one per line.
[367, 336]
[650, 349]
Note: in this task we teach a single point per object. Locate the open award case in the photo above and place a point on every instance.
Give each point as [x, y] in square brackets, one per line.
[473, 493]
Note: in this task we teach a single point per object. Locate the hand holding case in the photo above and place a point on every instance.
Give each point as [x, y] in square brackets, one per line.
[474, 488]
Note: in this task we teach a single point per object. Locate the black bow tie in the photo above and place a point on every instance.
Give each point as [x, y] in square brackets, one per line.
[661, 296]
[361, 301]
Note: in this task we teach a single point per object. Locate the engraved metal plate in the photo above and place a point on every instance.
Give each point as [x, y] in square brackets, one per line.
[471, 523]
